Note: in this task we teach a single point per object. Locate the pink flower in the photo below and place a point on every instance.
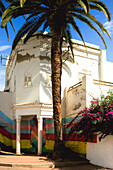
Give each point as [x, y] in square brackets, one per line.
[104, 120]
[97, 113]
[93, 101]
[110, 113]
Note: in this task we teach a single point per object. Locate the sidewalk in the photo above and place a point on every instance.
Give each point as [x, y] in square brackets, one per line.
[33, 161]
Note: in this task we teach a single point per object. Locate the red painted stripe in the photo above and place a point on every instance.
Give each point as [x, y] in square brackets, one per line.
[94, 139]
[50, 126]
[5, 122]
[73, 137]
[78, 137]
[22, 136]
[12, 136]
[22, 126]
[25, 127]
[4, 132]
[50, 136]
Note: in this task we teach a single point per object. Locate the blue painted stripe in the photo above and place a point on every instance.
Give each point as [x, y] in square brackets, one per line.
[6, 118]
[6, 127]
[23, 122]
[22, 131]
[49, 121]
[50, 130]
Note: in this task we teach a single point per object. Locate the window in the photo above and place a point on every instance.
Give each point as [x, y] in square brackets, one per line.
[27, 80]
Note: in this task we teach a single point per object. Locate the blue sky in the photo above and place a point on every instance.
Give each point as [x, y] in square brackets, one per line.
[88, 34]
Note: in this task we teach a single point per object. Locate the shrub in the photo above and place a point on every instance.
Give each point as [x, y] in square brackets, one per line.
[98, 118]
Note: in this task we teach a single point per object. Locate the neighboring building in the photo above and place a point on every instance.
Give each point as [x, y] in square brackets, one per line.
[26, 112]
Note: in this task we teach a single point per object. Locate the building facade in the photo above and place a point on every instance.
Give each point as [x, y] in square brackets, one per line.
[26, 112]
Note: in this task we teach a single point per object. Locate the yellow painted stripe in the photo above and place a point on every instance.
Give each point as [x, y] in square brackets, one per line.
[1, 138]
[5, 140]
[24, 144]
[77, 146]
[14, 144]
[49, 144]
[8, 142]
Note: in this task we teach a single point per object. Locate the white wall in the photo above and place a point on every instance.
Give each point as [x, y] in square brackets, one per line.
[79, 96]
[101, 153]
[40, 67]
[28, 94]
[6, 104]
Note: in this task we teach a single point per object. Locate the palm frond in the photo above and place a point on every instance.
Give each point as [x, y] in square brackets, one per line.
[84, 4]
[103, 7]
[76, 28]
[85, 20]
[23, 31]
[35, 26]
[12, 25]
[22, 2]
[88, 15]
[46, 24]
[7, 32]
[68, 39]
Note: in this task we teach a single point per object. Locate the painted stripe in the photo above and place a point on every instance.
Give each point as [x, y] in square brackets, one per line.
[50, 126]
[4, 132]
[49, 121]
[22, 131]
[5, 140]
[25, 144]
[5, 127]
[23, 136]
[49, 131]
[23, 122]
[5, 117]
[50, 136]
[77, 146]
[4, 122]
[27, 126]
[49, 144]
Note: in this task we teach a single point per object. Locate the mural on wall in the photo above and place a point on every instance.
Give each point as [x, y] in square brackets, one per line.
[34, 134]
[29, 136]
[79, 98]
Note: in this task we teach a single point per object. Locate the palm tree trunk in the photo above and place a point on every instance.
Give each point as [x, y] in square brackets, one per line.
[56, 66]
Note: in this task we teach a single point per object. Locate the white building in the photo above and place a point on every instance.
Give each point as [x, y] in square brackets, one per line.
[28, 81]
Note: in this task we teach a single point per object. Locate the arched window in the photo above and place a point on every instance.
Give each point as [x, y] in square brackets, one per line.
[27, 80]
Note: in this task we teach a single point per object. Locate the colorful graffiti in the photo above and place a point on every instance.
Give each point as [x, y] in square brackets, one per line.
[29, 136]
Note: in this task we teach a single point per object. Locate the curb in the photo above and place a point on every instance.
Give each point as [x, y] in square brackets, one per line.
[38, 165]
[46, 165]
[70, 163]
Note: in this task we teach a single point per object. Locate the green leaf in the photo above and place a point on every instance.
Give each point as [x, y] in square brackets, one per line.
[22, 3]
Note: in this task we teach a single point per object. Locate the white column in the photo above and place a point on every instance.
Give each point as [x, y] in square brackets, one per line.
[87, 84]
[40, 128]
[18, 120]
[103, 73]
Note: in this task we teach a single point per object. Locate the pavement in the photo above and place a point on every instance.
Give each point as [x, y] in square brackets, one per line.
[26, 162]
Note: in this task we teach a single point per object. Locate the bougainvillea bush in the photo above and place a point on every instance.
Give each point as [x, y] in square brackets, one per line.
[98, 118]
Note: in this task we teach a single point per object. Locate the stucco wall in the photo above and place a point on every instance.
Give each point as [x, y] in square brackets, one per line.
[75, 100]
[101, 153]
[28, 94]
[79, 96]
[6, 104]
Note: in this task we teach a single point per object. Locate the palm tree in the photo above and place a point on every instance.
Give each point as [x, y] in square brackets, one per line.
[2, 9]
[58, 15]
